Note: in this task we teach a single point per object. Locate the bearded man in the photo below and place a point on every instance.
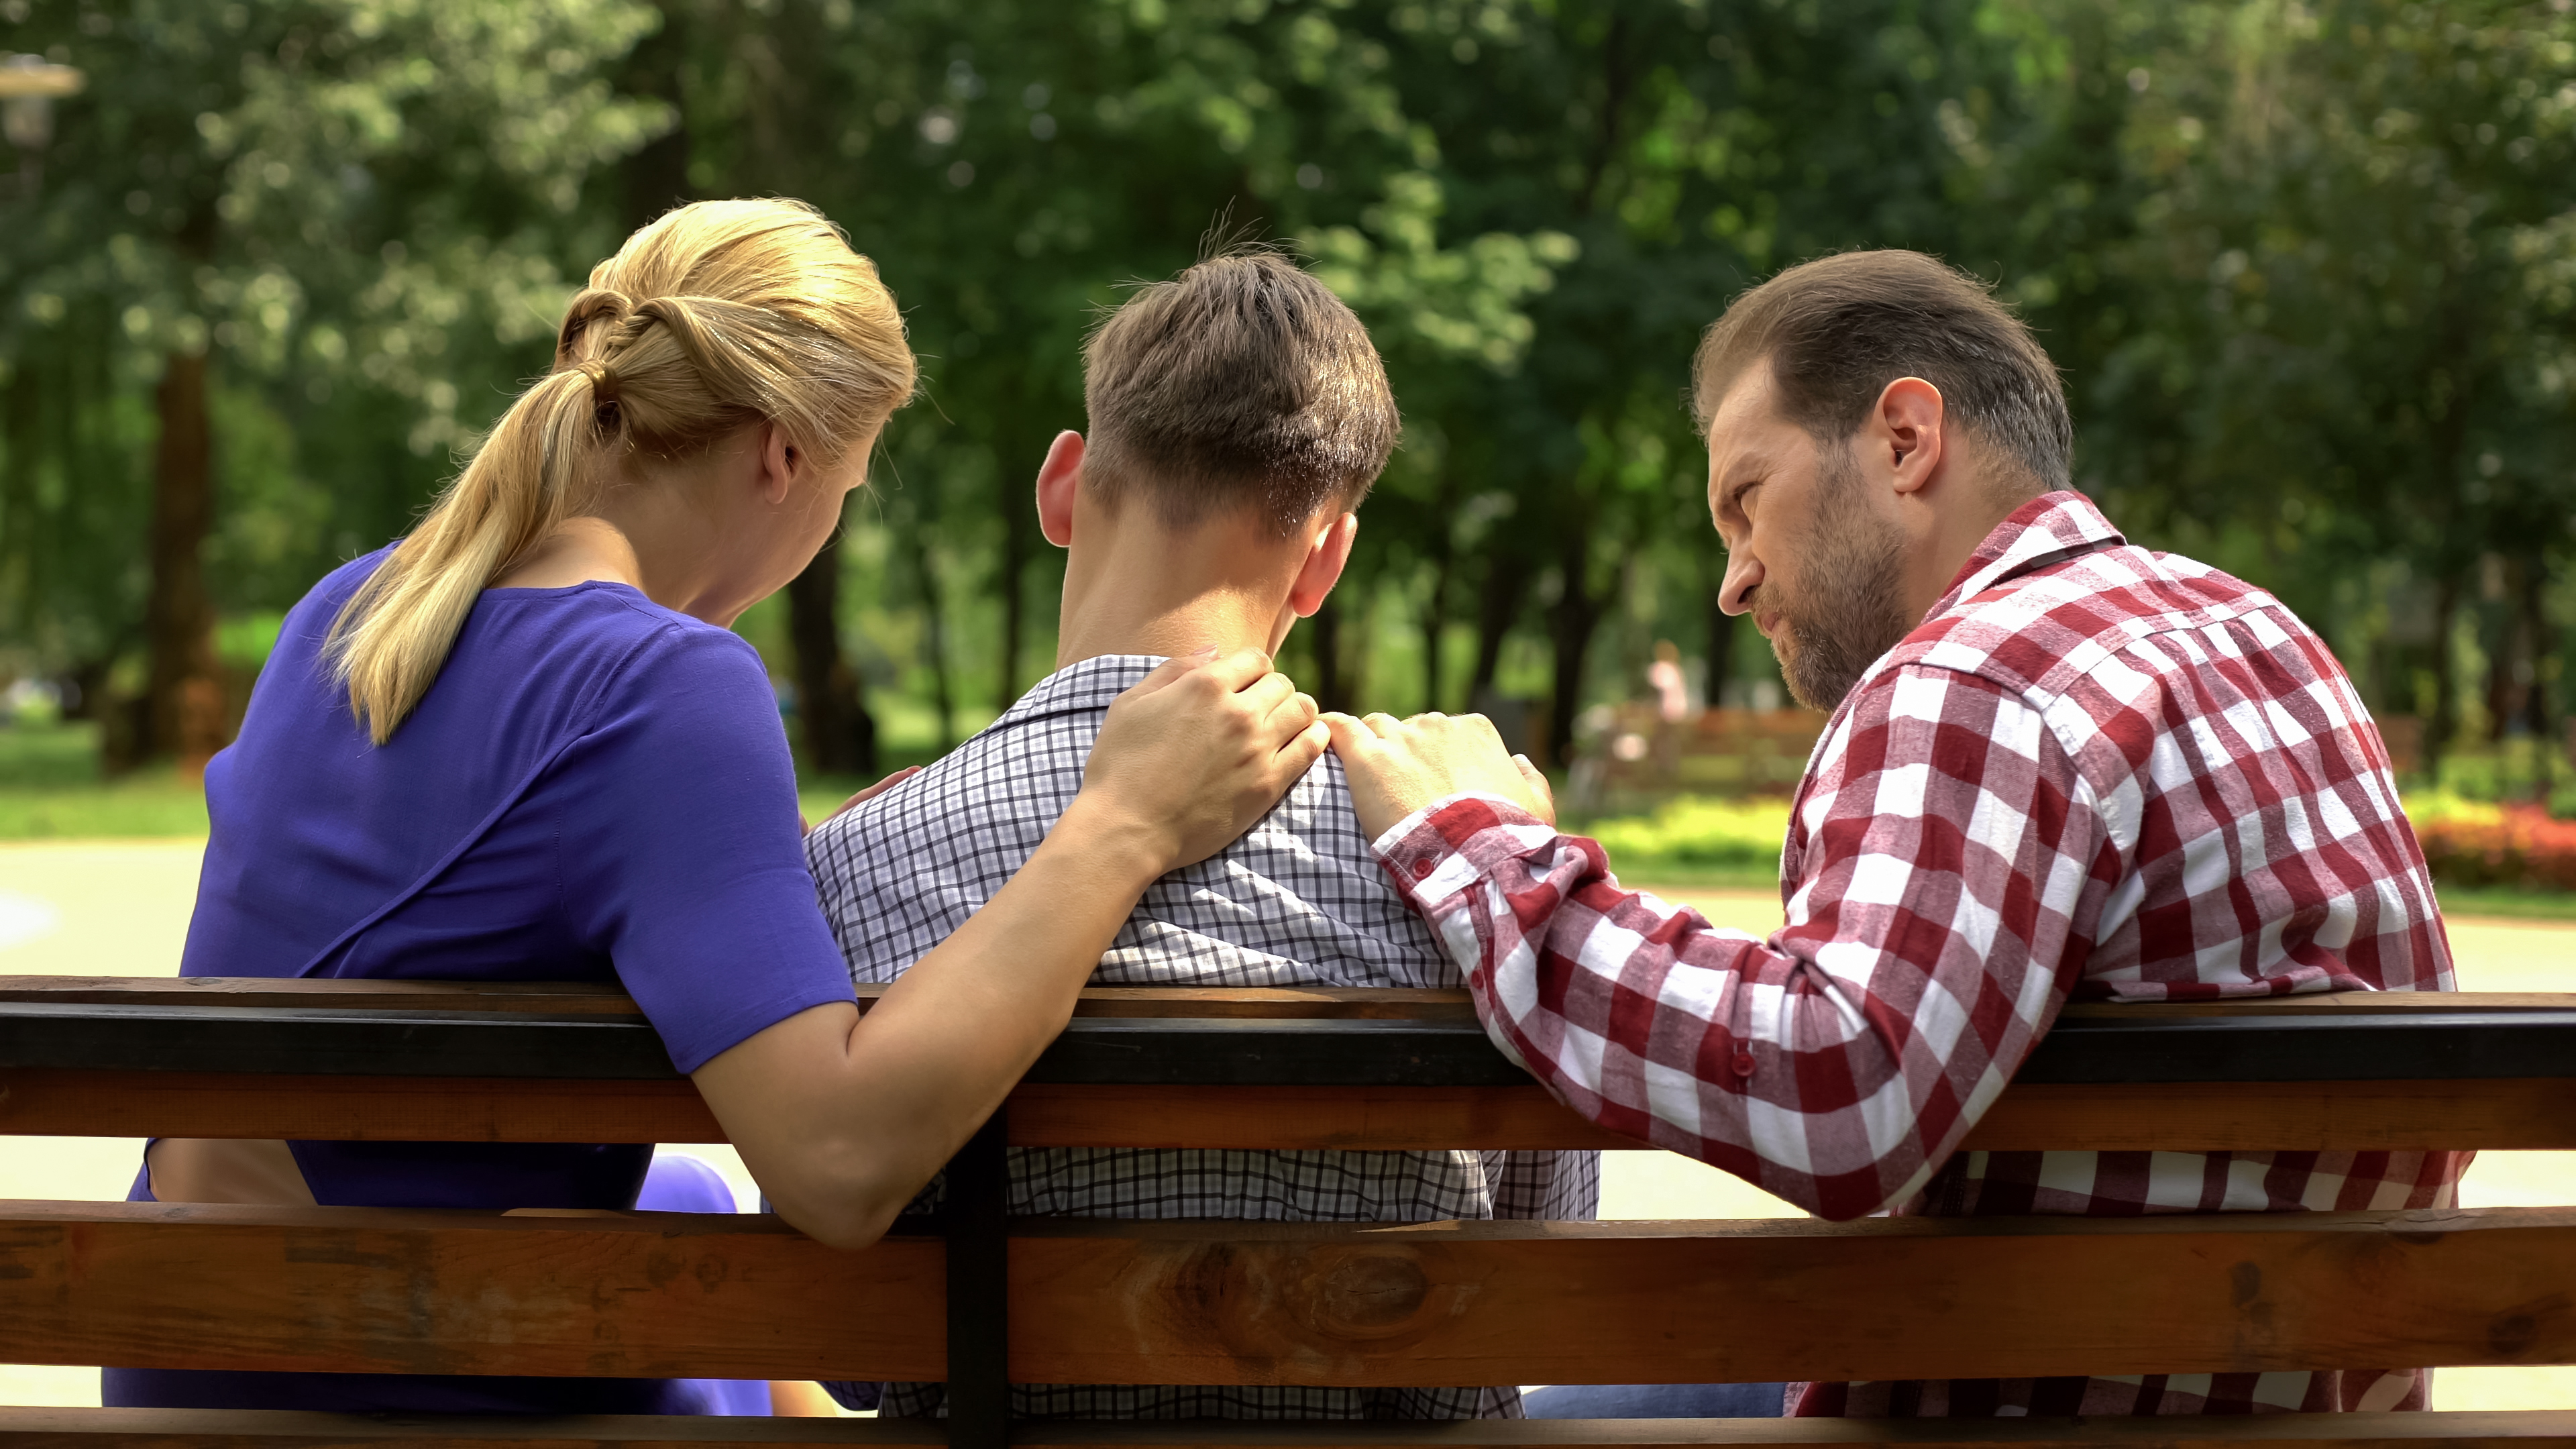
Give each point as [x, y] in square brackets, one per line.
[2059, 767]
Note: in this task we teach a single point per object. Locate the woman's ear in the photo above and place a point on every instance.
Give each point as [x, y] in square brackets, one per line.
[1059, 477]
[1323, 566]
[777, 466]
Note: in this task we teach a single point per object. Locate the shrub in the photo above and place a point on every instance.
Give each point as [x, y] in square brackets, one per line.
[1698, 833]
[2498, 845]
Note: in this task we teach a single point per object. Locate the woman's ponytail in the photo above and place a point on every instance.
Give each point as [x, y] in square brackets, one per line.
[393, 635]
[719, 315]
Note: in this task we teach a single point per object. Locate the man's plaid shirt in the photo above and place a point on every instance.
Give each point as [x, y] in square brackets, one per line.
[1298, 901]
[2093, 772]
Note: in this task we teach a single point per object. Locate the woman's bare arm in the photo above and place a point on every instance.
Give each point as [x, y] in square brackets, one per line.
[841, 1118]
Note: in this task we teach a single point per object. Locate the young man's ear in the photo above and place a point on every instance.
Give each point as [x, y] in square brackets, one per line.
[1058, 477]
[1323, 566]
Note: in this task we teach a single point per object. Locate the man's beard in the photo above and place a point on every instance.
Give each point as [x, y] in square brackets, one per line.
[1845, 611]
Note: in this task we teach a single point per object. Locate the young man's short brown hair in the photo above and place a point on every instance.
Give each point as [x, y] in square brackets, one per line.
[1839, 329]
[1241, 383]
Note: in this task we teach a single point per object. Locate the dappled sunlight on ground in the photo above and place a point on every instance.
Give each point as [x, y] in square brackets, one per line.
[120, 908]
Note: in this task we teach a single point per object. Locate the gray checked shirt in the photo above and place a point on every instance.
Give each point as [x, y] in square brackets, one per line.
[1298, 901]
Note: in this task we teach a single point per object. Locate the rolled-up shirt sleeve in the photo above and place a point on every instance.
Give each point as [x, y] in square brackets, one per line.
[1945, 867]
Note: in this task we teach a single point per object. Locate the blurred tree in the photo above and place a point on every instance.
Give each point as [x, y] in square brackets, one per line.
[349, 210]
[2310, 268]
[2299, 248]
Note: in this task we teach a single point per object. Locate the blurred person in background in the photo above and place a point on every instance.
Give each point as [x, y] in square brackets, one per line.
[1672, 708]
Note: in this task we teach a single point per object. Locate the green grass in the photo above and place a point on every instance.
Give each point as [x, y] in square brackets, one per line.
[2505, 902]
[50, 789]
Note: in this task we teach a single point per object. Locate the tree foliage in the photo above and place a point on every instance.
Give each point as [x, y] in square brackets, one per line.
[2310, 268]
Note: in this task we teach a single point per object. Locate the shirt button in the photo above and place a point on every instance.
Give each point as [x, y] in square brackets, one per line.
[1744, 1064]
[1421, 868]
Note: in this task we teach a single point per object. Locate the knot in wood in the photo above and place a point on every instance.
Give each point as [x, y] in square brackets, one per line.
[1368, 1293]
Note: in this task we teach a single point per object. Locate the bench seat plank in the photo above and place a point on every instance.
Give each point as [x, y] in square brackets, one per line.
[344, 1289]
[593, 998]
[2527, 1114]
[250, 1429]
[590, 998]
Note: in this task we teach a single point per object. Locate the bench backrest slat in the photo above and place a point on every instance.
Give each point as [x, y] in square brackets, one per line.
[2528, 1114]
[37, 1428]
[1291, 1303]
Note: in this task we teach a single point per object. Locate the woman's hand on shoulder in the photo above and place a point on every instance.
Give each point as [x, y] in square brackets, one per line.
[1194, 754]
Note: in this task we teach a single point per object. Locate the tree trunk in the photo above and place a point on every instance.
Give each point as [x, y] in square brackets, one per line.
[1721, 641]
[2504, 680]
[2438, 729]
[935, 638]
[1435, 622]
[655, 177]
[183, 700]
[1017, 524]
[2542, 643]
[831, 703]
[1333, 684]
[1498, 605]
[1570, 625]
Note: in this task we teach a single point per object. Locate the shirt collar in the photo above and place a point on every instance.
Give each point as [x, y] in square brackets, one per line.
[1085, 684]
[2048, 528]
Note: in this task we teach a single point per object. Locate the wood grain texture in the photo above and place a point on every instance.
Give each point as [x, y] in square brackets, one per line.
[1291, 1303]
[2327, 1003]
[547, 998]
[1240, 1303]
[1300, 1118]
[50, 1103]
[53, 1428]
[390, 1291]
[2494, 1114]
[244, 1429]
[590, 998]
[2498, 1115]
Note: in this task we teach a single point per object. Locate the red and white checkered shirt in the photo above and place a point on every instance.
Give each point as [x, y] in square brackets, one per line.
[2093, 772]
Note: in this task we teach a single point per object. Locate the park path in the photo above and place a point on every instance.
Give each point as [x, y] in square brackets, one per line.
[120, 908]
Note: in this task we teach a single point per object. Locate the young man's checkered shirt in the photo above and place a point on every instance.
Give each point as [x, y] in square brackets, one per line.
[2093, 772]
[1298, 901]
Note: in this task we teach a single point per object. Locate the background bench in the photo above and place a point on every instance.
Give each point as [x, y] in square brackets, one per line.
[1086, 1301]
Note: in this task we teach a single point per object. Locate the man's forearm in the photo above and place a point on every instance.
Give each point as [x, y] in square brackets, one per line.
[1652, 1022]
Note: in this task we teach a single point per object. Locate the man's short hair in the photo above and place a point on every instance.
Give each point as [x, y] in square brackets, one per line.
[1241, 383]
[1839, 329]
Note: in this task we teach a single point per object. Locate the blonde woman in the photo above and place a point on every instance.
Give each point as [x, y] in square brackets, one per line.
[522, 743]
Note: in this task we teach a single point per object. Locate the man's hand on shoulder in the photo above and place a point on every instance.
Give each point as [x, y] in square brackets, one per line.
[1398, 766]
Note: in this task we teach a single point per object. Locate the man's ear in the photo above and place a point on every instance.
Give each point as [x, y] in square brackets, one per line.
[776, 466]
[1058, 478]
[1906, 432]
[1323, 566]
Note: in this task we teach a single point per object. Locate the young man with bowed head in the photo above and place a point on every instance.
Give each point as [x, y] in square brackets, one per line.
[1238, 416]
[2060, 766]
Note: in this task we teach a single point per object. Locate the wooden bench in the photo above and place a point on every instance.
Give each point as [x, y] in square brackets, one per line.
[1635, 753]
[991, 1301]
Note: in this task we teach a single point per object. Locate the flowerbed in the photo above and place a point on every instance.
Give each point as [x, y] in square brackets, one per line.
[2468, 843]
[2498, 845]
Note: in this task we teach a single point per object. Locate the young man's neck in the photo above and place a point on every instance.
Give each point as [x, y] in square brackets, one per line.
[1135, 587]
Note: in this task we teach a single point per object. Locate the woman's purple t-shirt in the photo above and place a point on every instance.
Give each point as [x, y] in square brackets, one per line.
[595, 789]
